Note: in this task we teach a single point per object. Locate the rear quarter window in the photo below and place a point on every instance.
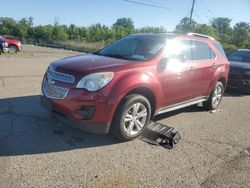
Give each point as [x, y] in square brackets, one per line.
[201, 51]
[221, 50]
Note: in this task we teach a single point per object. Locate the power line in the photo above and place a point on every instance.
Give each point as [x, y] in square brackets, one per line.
[155, 6]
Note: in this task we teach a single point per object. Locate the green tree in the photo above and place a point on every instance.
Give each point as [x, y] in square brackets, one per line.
[151, 29]
[59, 33]
[126, 23]
[223, 29]
[184, 26]
[241, 35]
[206, 30]
[7, 26]
[43, 32]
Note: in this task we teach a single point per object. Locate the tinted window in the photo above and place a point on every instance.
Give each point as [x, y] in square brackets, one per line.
[134, 48]
[219, 47]
[178, 48]
[243, 56]
[201, 51]
[186, 52]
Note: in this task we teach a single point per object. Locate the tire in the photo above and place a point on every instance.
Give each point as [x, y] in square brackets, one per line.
[215, 97]
[13, 49]
[131, 117]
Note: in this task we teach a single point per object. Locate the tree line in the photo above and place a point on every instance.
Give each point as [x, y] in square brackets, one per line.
[220, 28]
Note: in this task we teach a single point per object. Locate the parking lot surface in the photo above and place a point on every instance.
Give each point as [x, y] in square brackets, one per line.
[37, 150]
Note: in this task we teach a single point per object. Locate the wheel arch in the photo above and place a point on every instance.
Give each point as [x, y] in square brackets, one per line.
[148, 94]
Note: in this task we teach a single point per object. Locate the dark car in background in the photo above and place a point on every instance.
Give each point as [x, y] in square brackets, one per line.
[14, 45]
[239, 76]
[3, 46]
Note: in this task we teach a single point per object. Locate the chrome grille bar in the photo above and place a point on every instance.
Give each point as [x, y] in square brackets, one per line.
[54, 92]
[54, 75]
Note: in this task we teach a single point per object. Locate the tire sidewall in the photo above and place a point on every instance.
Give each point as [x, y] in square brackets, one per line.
[218, 84]
[15, 49]
[124, 106]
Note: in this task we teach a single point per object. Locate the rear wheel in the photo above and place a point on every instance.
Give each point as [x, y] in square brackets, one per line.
[215, 97]
[131, 117]
[13, 49]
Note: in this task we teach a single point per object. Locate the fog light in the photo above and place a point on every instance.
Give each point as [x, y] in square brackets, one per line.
[86, 112]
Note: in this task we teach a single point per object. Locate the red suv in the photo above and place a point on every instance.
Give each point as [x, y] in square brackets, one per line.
[123, 86]
[14, 45]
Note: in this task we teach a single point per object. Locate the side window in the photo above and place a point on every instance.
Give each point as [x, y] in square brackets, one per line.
[181, 48]
[201, 51]
[212, 55]
[186, 50]
[219, 47]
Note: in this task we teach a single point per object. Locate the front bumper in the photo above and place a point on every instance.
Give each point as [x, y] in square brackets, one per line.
[62, 110]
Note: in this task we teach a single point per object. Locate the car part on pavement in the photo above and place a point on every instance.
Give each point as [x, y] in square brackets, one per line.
[159, 134]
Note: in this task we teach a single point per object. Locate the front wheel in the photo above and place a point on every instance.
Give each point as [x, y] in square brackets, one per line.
[215, 97]
[13, 49]
[131, 117]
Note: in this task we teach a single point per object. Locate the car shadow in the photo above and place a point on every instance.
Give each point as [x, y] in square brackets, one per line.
[27, 128]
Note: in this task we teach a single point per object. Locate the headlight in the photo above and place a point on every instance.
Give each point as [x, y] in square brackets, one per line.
[95, 81]
[247, 72]
[5, 44]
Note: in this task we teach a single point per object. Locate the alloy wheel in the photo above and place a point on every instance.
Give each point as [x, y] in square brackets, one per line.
[135, 118]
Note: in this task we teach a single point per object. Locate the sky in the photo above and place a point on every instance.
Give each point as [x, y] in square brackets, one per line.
[87, 12]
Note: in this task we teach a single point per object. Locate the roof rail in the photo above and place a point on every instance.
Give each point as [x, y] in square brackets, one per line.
[200, 35]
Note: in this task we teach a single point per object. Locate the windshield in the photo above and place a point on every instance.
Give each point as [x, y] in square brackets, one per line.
[242, 56]
[138, 48]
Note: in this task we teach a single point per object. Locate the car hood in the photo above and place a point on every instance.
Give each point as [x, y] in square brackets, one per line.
[241, 65]
[81, 64]
[10, 40]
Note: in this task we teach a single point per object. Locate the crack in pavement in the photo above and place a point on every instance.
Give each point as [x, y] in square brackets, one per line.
[16, 115]
[233, 163]
[222, 166]
[221, 142]
[192, 167]
[204, 148]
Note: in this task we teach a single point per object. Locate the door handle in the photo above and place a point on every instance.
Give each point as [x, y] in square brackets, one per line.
[214, 67]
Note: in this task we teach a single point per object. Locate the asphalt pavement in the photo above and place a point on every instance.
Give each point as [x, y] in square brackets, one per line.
[36, 150]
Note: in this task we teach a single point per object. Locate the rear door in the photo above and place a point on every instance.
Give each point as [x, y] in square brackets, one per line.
[175, 79]
[202, 68]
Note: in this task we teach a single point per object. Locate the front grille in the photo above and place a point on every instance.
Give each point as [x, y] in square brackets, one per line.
[54, 92]
[54, 75]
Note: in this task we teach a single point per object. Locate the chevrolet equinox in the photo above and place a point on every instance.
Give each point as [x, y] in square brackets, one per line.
[120, 88]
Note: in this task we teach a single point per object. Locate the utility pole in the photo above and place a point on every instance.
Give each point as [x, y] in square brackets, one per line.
[191, 15]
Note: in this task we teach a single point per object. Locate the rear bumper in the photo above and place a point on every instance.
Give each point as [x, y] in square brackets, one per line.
[66, 111]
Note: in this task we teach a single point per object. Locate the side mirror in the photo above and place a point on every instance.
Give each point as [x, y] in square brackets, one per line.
[162, 64]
